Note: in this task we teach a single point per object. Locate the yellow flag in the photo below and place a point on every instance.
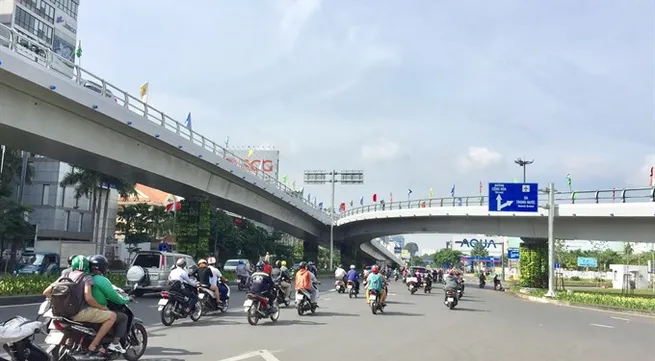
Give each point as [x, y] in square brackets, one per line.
[430, 193]
[250, 152]
[143, 91]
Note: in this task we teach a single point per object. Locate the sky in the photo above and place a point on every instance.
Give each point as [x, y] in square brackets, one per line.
[421, 94]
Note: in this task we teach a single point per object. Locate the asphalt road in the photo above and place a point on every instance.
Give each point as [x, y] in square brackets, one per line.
[486, 325]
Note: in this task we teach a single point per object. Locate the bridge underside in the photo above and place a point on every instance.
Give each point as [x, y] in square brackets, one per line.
[638, 229]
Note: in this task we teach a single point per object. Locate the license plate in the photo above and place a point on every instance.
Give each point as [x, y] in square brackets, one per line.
[350, 287]
[163, 302]
[54, 337]
[248, 303]
[201, 296]
[450, 299]
[160, 308]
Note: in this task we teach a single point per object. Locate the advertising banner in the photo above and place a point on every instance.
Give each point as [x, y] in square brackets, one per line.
[404, 254]
[257, 160]
[65, 26]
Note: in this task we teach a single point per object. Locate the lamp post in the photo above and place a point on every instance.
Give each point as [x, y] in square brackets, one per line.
[343, 177]
[523, 163]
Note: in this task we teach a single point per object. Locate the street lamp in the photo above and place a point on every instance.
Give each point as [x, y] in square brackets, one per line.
[344, 177]
[523, 163]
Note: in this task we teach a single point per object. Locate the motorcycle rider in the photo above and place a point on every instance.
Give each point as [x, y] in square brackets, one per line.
[312, 268]
[92, 311]
[340, 273]
[483, 279]
[180, 281]
[375, 282]
[217, 275]
[267, 267]
[304, 281]
[65, 271]
[353, 276]
[103, 291]
[497, 284]
[451, 282]
[242, 272]
[204, 275]
[262, 283]
[281, 276]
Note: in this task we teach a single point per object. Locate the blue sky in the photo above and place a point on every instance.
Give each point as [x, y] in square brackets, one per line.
[419, 94]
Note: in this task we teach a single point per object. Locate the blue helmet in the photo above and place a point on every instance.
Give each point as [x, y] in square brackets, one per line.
[240, 262]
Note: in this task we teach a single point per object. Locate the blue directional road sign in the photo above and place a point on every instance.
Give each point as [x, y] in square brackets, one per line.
[557, 265]
[513, 253]
[587, 262]
[163, 247]
[513, 197]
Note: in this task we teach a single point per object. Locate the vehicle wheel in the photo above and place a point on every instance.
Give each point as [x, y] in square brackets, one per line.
[350, 294]
[253, 316]
[313, 310]
[286, 302]
[300, 310]
[374, 307]
[452, 305]
[412, 292]
[138, 293]
[167, 316]
[138, 336]
[276, 315]
[197, 313]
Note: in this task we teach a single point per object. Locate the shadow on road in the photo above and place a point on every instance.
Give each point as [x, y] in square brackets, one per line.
[396, 313]
[320, 313]
[399, 303]
[469, 309]
[206, 322]
[292, 322]
[469, 299]
[166, 351]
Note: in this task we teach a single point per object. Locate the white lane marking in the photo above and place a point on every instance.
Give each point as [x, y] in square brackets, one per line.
[620, 318]
[598, 325]
[21, 305]
[266, 355]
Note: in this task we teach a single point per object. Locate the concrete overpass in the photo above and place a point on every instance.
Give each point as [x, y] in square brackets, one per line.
[611, 215]
[46, 112]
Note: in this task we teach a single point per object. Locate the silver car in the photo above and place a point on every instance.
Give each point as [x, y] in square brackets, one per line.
[150, 270]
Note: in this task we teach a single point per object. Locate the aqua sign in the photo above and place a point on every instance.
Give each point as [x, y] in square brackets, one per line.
[471, 243]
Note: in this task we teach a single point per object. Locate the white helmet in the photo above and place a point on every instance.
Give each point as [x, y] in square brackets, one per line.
[352, 266]
[211, 260]
[200, 261]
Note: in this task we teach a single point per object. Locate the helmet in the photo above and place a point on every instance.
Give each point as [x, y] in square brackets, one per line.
[260, 266]
[375, 269]
[70, 260]
[340, 265]
[284, 263]
[181, 262]
[302, 265]
[352, 266]
[80, 263]
[201, 261]
[211, 260]
[99, 263]
[451, 272]
[278, 264]
[240, 262]
[310, 263]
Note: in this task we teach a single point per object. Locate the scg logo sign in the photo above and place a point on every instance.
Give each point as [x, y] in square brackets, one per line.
[255, 165]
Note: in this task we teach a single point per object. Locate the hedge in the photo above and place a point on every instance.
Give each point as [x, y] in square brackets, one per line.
[605, 300]
[534, 265]
[29, 285]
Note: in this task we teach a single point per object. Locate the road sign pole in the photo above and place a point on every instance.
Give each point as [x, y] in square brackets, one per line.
[551, 241]
[334, 181]
[502, 261]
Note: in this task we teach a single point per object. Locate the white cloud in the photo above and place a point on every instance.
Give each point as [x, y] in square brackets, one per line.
[478, 158]
[380, 151]
[296, 16]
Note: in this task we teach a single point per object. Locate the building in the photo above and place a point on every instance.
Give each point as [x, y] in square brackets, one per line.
[48, 24]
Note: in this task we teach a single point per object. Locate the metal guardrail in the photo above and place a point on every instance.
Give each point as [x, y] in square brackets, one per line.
[626, 195]
[40, 54]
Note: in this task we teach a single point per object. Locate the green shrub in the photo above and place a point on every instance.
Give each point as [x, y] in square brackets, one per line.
[616, 301]
[575, 278]
[28, 285]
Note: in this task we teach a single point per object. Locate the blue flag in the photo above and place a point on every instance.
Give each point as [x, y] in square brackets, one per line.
[187, 122]
[452, 191]
[361, 201]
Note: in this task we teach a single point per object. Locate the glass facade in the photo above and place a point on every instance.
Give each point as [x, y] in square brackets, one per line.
[33, 25]
[68, 6]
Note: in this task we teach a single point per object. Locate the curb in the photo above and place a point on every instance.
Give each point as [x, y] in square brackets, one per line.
[582, 305]
[20, 300]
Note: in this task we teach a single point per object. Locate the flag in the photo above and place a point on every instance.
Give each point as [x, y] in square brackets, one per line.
[480, 187]
[390, 197]
[361, 201]
[342, 208]
[293, 185]
[320, 205]
[409, 192]
[375, 198]
[652, 180]
[250, 152]
[351, 203]
[430, 194]
[78, 52]
[452, 191]
[187, 122]
[143, 91]
[284, 179]
[174, 206]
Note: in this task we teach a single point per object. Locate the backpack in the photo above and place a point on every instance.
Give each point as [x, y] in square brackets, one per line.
[68, 295]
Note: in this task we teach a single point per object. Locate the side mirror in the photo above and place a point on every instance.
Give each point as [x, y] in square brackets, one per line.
[135, 286]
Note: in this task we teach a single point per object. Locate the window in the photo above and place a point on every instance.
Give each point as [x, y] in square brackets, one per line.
[63, 195]
[33, 25]
[147, 260]
[81, 225]
[40, 8]
[68, 220]
[68, 6]
[45, 194]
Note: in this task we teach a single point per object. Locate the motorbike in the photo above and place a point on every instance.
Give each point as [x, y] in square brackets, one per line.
[257, 307]
[209, 301]
[243, 283]
[482, 284]
[171, 307]
[376, 305]
[352, 291]
[303, 302]
[66, 337]
[451, 299]
[460, 293]
[428, 287]
[395, 277]
[412, 284]
[339, 286]
[281, 296]
[17, 339]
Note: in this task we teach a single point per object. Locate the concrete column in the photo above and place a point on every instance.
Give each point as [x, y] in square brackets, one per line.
[346, 254]
[310, 251]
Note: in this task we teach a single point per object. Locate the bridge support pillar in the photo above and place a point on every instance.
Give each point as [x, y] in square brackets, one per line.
[310, 251]
[360, 258]
[346, 254]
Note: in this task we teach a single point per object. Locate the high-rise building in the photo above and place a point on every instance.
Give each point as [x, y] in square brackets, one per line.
[48, 24]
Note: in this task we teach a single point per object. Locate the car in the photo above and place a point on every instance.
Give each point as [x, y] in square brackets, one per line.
[231, 264]
[98, 89]
[150, 270]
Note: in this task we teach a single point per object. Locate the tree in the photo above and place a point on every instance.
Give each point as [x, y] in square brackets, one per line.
[479, 251]
[412, 248]
[11, 170]
[417, 261]
[447, 257]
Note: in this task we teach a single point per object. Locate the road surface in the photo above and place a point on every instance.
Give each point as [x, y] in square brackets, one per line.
[486, 325]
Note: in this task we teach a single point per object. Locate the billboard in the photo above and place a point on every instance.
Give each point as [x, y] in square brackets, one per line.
[256, 160]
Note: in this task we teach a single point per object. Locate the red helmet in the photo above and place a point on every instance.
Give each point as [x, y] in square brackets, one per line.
[375, 269]
[451, 272]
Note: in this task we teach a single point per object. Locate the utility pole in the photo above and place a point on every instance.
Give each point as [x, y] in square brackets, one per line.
[523, 163]
[551, 241]
[345, 177]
